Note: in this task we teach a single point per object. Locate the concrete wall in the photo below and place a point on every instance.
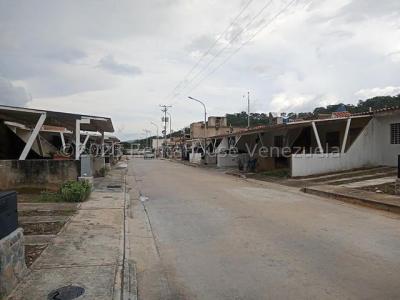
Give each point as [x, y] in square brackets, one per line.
[37, 174]
[211, 159]
[98, 164]
[195, 158]
[371, 148]
[232, 160]
[12, 261]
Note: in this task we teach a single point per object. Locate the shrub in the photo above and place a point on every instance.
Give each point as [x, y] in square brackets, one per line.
[75, 191]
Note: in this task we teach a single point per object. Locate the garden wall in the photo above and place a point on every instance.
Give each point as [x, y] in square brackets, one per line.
[37, 174]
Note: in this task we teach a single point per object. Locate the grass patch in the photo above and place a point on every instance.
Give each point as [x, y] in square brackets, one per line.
[33, 213]
[71, 191]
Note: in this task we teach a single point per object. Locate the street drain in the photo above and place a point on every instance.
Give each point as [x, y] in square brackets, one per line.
[114, 186]
[66, 293]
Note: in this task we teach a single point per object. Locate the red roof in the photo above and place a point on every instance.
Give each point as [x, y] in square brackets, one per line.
[341, 114]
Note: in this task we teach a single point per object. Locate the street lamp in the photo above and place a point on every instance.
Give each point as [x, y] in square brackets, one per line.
[205, 121]
[152, 123]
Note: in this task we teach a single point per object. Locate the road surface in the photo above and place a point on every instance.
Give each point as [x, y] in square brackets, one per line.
[221, 237]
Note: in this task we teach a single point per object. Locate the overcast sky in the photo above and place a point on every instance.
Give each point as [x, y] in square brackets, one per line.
[123, 58]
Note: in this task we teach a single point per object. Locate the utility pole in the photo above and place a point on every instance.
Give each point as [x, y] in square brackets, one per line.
[170, 124]
[248, 109]
[164, 109]
[152, 123]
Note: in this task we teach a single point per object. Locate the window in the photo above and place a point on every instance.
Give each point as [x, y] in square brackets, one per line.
[395, 133]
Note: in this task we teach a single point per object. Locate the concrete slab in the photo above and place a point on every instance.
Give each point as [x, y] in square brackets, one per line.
[94, 279]
[370, 199]
[39, 239]
[93, 237]
[102, 200]
[346, 174]
[370, 182]
[361, 178]
[88, 252]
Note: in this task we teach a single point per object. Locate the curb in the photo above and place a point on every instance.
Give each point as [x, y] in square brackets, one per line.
[236, 175]
[353, 200]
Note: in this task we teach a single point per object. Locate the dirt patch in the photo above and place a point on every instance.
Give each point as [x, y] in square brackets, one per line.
[386, 188]
[32, 252]
[42, 228]
[32, 213]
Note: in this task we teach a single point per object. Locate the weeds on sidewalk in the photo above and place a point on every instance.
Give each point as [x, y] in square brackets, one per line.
[75, 191]
[71, 191]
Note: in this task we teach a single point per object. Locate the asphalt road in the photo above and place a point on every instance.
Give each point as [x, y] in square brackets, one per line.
[221, 237]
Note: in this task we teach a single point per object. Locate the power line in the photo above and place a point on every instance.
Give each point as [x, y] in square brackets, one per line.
[211, 47]
[243, 44]
[244, 29]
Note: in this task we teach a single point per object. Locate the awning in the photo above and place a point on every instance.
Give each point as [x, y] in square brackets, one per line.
[29, 117]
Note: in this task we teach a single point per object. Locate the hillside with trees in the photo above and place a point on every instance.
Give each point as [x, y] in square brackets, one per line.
[240, 119]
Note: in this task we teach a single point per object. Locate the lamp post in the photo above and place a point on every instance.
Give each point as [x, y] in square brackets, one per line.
[152, 123]
[205, 121]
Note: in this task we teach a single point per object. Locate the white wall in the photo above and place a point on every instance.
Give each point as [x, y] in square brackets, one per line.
[371, 148]
[160, 142]
[195, 158]
[231, 160]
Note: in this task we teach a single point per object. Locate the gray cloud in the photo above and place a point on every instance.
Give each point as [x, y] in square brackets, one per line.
[314, 54]
[201, 44]
[362, 9]
[12, 95]
[109, 64]
[65, 55]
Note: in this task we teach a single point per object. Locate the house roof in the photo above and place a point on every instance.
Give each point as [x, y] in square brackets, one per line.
[341, 114]
[379, 111]
[291, 125]
[29, 118]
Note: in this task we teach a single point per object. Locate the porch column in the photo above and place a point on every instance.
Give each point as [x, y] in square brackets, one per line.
[102, 144]
[84, 143]
[77, 140]
[78, 137]
[33, 137]
[62, 140]
[317, 137]
[346, 134]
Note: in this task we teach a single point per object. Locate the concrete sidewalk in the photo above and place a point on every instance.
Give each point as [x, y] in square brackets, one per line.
[88, 252]
[365, 198]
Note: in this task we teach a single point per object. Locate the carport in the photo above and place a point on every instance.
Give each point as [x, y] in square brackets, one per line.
[37, 120]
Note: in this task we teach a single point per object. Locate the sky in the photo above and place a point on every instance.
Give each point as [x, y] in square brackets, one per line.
[123, 58]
